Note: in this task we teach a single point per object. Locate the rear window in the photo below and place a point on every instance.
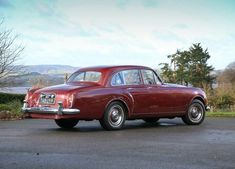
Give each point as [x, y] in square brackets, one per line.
[88, 76]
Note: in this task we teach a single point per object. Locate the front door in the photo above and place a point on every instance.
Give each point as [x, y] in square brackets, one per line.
[160, 99]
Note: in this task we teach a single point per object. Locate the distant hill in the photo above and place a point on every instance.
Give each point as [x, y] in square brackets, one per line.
[231, 65]
[50, 69]
[32, 74]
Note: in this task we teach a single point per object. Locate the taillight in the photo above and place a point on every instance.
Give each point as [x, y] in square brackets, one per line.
[26, 97]
[70, 100]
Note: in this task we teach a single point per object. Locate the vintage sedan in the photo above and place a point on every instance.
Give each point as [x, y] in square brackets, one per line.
[114, 94]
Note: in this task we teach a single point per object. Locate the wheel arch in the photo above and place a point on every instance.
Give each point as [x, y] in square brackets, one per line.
[123, 102]
[200, 98]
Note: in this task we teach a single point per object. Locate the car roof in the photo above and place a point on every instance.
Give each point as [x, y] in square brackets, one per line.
[108, 70]
[112, 68]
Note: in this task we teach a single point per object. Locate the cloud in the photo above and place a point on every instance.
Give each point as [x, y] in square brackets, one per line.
[167, 36]
[180, 26]
[121, 31]
[46, 8]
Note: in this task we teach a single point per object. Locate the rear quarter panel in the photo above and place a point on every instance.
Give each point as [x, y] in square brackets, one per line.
[92, 103]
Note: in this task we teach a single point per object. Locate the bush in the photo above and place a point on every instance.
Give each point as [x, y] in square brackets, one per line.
[221, 100]
[7, 97]
[5, 107]
[11, 110]
[10, 105]
[225, 101]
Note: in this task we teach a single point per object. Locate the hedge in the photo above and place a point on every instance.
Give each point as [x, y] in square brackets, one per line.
[4, 107]
[8, 97]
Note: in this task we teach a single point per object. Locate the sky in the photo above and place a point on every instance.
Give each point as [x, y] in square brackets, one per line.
[112, 32]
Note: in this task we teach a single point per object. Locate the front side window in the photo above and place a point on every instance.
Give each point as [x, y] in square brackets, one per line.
[88, 76]
[126, 77]
[149, 77]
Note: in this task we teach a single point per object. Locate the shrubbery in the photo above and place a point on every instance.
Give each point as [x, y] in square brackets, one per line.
[222, 99]
[10, 105]
[7, 97]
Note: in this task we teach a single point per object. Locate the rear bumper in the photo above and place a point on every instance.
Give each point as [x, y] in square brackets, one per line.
[48, 110]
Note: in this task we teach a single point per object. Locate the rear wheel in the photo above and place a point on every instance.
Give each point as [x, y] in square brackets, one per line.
[151, 120]
[195, 113]
[66, 123]
[114, 116]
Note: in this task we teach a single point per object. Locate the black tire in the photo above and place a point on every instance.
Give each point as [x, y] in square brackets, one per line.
[151, 120]
[195, 113]
[66, 123]
[114, 116]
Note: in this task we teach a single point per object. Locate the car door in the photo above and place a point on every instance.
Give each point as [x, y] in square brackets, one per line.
[160, 98]
[131, 83]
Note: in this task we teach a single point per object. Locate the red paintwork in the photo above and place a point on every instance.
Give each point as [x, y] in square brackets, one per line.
[160, 100]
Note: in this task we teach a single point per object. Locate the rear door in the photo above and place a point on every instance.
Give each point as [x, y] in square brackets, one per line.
[131, 82]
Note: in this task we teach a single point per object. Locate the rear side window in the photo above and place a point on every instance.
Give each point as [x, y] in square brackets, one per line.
[89, 76]
[126, 77]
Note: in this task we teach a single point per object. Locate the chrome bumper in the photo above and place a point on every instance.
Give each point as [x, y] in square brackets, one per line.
[207, 108]
[48, 110]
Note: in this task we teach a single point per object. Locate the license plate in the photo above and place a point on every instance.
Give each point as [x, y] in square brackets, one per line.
[47, 98]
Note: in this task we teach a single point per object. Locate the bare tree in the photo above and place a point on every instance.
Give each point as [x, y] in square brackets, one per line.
[10, 51]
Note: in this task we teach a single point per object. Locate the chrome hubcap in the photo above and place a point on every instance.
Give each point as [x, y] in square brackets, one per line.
[195, 113]
[116, 116]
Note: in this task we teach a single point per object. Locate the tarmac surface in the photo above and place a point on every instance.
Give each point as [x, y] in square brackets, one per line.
[169, 144]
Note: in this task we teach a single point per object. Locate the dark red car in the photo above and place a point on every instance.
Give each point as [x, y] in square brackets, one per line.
[113, 94]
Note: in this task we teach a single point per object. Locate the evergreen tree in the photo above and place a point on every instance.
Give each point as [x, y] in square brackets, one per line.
[189, 66]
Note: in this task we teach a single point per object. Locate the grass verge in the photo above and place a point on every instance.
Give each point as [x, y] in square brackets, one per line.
[220, 114]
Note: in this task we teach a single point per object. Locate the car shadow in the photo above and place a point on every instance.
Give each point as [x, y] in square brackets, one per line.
[129, 125]
[160, 124]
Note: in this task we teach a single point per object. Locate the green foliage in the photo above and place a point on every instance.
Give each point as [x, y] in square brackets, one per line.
[225, 101]
[11, 110]
[10, 105]
[189, 66]
[7, 97]
[16, 106]
[220, 114]
[5, 107]
[222, 99]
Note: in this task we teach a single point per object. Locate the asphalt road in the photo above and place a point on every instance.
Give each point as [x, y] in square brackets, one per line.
[36, 144]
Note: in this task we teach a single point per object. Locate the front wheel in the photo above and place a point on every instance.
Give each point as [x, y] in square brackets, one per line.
[114, 116]
[66, 123]
[195, 113]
